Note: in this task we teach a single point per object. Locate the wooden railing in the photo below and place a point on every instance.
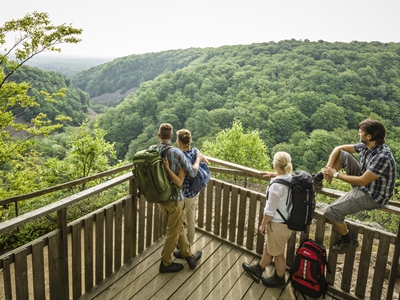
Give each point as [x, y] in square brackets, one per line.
[74, 259]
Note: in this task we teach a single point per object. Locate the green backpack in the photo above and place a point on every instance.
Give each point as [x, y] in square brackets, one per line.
[151, 176]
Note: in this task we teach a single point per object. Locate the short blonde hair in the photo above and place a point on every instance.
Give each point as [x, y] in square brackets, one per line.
[283, 161]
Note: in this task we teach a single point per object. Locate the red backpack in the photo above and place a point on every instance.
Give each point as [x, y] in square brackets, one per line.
[307, 275]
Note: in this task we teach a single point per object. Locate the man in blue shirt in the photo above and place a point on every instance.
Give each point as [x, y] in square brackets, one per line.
[373, 178]
[174, 209]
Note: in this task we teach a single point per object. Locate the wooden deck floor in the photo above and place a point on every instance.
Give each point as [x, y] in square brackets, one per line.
[218, 275]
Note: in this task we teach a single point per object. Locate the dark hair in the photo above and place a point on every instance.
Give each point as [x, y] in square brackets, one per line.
[165, 131]
[375, 128]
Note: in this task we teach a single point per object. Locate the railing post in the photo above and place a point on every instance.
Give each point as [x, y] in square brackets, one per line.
[395, 263]
[63, 253]
[130, 223]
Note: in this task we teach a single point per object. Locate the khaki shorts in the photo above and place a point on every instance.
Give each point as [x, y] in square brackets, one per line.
[277, 236]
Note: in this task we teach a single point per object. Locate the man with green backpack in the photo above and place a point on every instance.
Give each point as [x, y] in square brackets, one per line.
[173, 208]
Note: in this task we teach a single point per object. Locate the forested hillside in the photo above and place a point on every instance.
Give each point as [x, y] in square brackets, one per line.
[303, 97]
[129, 72]
[74, 103]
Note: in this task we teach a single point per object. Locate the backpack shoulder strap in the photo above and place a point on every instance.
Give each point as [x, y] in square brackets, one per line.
[286, 183]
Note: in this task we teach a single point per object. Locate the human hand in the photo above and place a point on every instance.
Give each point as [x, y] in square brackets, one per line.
[328, 173]
[262, 229]
[267, 174]
[166, 163]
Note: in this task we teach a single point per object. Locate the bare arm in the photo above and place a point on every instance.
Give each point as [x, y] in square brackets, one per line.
[264, 223]
[362, 180]
[177, 179]
[334, 160]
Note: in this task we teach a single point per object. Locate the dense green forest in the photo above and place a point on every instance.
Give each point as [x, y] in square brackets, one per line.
[74, 103]
[304, 97]
[242, 103]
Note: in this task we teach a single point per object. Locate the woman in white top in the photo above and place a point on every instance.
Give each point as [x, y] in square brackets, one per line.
[272, 226]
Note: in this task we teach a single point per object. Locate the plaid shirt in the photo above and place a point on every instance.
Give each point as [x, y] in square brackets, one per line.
[191, 156]
[178, 161]
[378, 160]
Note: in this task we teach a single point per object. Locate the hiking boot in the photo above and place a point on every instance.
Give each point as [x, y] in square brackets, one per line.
[318, 181]
[172, 268]
[177, 254]
[192, 261]
[255, 271]
[274, 281]
[343, 247]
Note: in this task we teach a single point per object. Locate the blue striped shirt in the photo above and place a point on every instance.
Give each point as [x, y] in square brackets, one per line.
[380, 161]
[191, 156]
[177, 160]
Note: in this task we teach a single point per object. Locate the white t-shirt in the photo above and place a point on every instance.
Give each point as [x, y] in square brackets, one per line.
[278, 194]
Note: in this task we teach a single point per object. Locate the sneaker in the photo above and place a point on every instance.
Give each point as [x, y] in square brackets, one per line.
[172, 268]
[192, 261]
[317, 182]
[274, 281]
[255, 271]
[177, 254]
[343, 247]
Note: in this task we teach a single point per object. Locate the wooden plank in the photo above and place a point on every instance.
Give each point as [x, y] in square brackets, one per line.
[332, 257]
[394, 268]
[210, 202]
[242, 283]
[380, 267]
[65, 185]
[118, 237]
[349, 262]
[63, 253]
[365, 259]
[157, 223]
[200, 207]
[109, 240]
[291, 249]
[219, 280]
[21, 274]
[185, 283]
[149, 223]
[76, 261]
[64, 203]
[54, 281]
[217, 207]
[8, 294]
[233, 214]
[112, 286]
[141, 223]
[320, 229]
[198, 284]
[260, 237]
[251, 222]
[38, 270]
[88, 253]
[242, 217]
[99, 253]
[225, 210]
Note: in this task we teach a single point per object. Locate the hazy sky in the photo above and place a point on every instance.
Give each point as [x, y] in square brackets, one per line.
[120, 27]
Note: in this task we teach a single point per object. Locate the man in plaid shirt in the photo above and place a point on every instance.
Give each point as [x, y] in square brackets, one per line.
[174, 209]
[373, 178]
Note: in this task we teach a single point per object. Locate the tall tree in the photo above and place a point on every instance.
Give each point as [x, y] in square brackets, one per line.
[36, 35]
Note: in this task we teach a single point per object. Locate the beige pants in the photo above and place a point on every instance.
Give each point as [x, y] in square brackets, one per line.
[191, 207]
[175, 214]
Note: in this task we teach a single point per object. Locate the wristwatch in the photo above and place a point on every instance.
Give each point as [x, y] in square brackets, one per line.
[335, 175]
